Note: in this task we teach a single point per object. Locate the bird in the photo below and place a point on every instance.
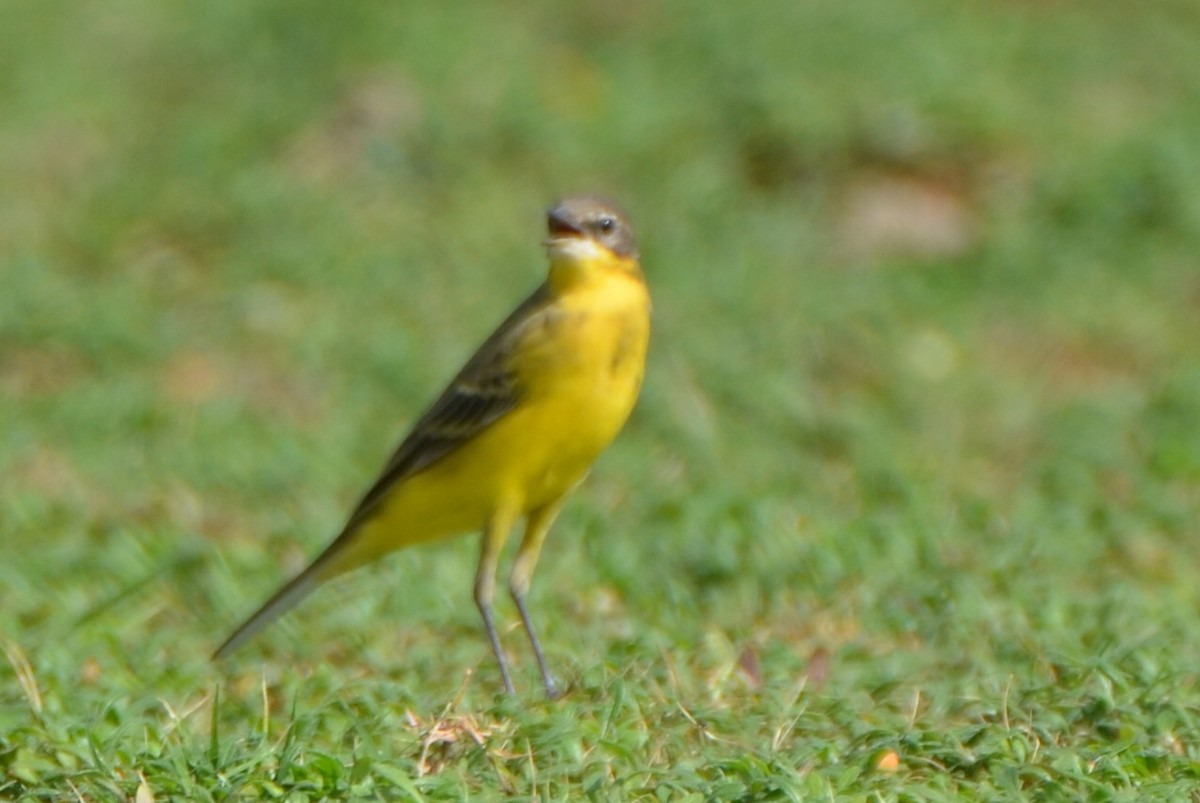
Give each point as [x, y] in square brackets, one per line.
[517, 428]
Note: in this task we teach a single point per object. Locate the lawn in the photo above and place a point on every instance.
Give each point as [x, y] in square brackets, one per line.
[910, 507]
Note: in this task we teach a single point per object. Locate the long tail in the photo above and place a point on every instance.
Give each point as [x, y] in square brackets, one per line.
[275, 607]
[325, 566]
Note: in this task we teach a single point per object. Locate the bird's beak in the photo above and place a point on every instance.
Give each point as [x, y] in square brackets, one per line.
[560, 226]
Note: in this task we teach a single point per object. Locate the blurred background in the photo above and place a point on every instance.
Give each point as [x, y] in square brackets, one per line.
[923, 390]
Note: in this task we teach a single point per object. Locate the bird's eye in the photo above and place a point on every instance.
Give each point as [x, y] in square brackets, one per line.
[606, 224]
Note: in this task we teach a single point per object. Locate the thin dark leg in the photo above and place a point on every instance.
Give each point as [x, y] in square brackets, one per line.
[522, 574]
[494, 536]
[485, 610]
[552, 689]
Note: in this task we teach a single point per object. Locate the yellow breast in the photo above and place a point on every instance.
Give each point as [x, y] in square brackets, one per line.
[581, 376]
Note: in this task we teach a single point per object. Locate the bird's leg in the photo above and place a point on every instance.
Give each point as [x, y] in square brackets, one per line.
[536, 528]
[494, 536]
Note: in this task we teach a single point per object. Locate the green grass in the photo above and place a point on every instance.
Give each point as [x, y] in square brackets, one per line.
[909, 509]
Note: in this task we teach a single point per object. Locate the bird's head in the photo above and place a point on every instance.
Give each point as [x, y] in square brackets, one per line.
[586, 233]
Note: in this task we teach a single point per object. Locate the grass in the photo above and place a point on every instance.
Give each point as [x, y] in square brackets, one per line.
[908, 510]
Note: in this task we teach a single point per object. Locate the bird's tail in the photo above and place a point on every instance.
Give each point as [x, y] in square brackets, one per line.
[328, 564]
[271, 610]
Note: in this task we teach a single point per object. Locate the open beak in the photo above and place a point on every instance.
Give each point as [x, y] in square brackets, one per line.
[559, 226]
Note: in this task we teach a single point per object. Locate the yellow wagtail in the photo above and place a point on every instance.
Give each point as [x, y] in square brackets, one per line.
[517, 428]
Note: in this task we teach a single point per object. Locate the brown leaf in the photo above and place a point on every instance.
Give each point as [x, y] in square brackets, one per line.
[888, 216]
[90, 672]
[751, 668]
[818, 667]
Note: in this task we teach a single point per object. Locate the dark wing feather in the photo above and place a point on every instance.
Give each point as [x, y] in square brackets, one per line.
[482, 393]
[479, 396]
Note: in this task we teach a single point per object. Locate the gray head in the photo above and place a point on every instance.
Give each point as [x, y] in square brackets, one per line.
[593, 217]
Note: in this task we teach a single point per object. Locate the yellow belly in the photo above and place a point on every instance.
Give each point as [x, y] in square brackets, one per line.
[581, 377]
